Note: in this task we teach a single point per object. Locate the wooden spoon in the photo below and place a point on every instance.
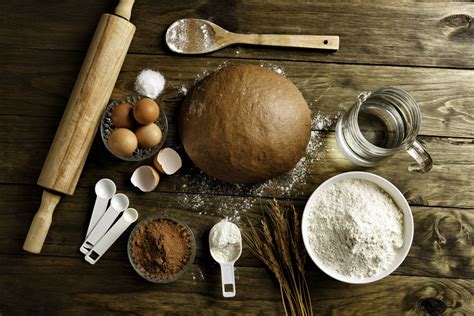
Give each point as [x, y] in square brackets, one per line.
[196, 36]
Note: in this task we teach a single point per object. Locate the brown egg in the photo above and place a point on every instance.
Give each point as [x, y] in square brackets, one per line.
[149, 135]
[122, 142]
[146, 111]
[122, 116]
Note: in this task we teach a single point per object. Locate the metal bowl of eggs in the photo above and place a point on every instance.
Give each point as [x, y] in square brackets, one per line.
[133, 128]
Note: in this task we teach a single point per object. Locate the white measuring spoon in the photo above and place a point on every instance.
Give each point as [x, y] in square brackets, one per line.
[104, 189]
[128, 217]
[227, 268]
[118, 204]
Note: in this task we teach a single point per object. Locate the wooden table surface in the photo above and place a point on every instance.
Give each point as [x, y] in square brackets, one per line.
[425, 48]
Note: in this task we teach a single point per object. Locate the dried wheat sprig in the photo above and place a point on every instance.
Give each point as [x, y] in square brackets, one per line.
[283, 300]
[292, 222]
[272, 253]
[278, 244]
[265, 254]
[295, 240]
[281, 233]
[280, 220]
[300, 256]
[254, 241]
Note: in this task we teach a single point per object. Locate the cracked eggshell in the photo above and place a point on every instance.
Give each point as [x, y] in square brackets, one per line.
[168, 161]
[145, 178]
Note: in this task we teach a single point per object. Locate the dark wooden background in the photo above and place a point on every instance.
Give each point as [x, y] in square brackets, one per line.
[425, 48]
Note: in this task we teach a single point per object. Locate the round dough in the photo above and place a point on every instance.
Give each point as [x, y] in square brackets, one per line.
[245, 124]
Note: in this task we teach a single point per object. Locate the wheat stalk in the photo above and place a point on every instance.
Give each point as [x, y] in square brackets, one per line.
[283, 236]
[300, 256]
[278, 244]
[261, 246]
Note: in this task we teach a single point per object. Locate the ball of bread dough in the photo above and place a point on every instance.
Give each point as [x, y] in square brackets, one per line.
[245, 124]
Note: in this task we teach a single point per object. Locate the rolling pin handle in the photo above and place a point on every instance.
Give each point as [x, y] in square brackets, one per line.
[124, 9]
[41, 222]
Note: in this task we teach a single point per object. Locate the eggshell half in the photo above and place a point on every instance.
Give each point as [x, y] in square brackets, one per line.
[145, 178]
[168, 161]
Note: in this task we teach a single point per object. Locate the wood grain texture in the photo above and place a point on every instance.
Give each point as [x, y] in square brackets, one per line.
[124, 9]
[87, 102]
[453, 167]
[421, 34]
[71, 144]
[326, 42]
[423, 47]
[444, 95]
[442, 244]
[41, 222]
[82, 289]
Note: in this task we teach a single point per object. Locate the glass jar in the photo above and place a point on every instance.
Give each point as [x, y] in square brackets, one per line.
[380, 124]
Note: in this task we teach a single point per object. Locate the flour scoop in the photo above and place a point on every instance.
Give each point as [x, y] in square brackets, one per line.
[226, 251]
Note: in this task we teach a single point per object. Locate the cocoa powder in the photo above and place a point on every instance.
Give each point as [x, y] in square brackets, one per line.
[161, 248]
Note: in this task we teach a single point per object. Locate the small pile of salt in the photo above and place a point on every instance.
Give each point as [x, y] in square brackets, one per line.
[149, 83]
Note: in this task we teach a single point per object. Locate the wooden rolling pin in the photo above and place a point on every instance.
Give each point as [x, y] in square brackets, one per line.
[80, 120]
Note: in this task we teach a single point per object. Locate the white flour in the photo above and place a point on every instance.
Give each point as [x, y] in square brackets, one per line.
[355, 228]
[225, 241]
[185, 36]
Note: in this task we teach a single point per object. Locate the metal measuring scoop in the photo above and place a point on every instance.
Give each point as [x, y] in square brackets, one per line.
[227, 268]
[197, 36]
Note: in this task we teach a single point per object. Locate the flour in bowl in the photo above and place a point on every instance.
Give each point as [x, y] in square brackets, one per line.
[355, 228]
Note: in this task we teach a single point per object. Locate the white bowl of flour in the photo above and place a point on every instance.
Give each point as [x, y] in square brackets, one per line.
[357, 227]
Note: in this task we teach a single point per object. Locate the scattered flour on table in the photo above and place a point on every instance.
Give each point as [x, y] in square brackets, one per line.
[199, 275]
[233, 200]
[183, 90]
[279, 70]
[355, 228]
[288, 184]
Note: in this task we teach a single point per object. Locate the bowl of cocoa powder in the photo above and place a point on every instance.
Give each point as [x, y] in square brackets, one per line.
[161, 249]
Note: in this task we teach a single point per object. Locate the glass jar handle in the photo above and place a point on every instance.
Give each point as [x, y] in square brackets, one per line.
[419, 153]
[362, 97]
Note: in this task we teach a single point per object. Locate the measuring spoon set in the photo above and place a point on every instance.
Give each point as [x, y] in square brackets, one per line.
[106, 223]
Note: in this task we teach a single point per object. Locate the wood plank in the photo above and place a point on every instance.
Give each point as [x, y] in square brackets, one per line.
[442, 244]
[371, 33]
[43, 49]
[453, 167]
[42, 86]
[69, 286]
